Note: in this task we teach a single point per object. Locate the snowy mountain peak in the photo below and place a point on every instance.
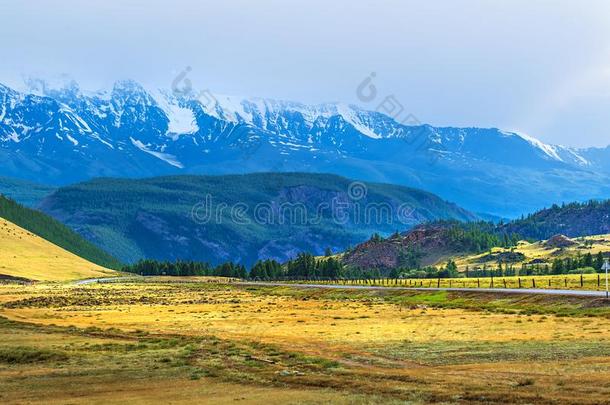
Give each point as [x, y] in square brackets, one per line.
[268, 114]
[59, 86]
[549, 150]
[131, 92]
[64, 134]
[128, 86]
[554, 152]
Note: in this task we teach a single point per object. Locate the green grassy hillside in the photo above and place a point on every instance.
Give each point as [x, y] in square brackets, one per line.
[584, 252]
[25, 256]
[53, 231]
[280, 214]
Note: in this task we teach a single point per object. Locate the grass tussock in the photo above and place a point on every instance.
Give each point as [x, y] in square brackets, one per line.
[29, 355]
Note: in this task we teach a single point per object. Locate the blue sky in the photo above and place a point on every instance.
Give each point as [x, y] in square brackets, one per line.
[540, 67]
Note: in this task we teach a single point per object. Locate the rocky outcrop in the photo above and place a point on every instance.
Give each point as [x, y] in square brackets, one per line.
[559, 242]
[426, 242]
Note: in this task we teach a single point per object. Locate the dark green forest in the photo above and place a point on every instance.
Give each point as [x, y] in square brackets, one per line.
[152, 218]
[179, 268]
[24, 192]
[478, 237]
[168, 218]
[573, 220]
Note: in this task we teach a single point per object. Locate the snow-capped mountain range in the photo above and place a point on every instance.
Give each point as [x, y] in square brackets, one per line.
[63, 135]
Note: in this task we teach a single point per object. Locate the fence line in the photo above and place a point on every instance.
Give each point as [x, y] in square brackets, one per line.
[569, 282]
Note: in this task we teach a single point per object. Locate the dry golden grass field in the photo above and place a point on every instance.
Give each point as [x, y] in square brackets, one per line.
[25, 255]
[203, 342]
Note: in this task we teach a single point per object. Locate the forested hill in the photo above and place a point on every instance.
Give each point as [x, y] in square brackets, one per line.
[573, 220]
[55, 232]
[427, 245]
[24, 192]
[240, 218]
[434, 242]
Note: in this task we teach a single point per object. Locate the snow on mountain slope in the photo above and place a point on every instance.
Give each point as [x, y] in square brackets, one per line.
[554, 152]
[63, 134]
[547, 149]
[181, 119]
[295, 123]
[166, 157]
[270, 114]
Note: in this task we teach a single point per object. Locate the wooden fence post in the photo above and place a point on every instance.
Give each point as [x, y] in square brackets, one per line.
[519, 279]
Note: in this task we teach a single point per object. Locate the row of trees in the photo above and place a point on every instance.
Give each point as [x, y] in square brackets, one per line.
[571, 265]
[587, 264]
[186, 268]
[448, 271]
[266, 270]
[306, 266]
[479, 237]
[562, 266]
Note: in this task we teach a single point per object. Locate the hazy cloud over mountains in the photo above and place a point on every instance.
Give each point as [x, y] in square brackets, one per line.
[541, 69]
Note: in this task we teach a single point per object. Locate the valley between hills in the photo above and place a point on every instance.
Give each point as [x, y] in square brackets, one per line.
[75, 323]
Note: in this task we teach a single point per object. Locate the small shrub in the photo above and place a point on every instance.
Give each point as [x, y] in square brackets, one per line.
[583, 270]
[525, 382]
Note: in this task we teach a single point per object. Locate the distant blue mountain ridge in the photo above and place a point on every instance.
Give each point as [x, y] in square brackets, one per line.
[65, 135]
